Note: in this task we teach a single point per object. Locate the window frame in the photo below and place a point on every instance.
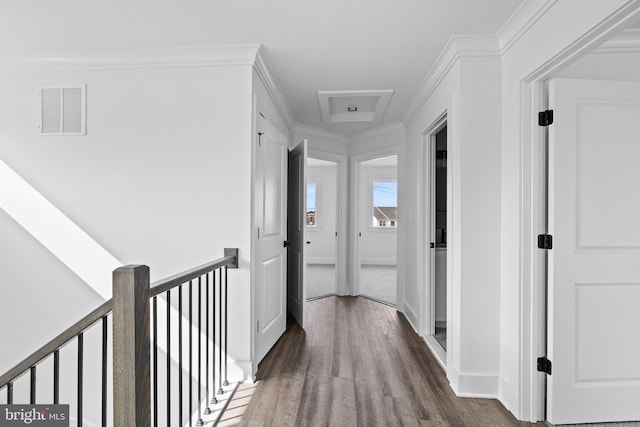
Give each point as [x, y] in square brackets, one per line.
[372, 182]
[317, 187]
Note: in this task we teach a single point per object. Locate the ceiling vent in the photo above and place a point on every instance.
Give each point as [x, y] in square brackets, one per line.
[62, 111]
[353, 105]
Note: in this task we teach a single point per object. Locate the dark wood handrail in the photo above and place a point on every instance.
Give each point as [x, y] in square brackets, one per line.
[230, 259]
[56, 343]
[164, 285]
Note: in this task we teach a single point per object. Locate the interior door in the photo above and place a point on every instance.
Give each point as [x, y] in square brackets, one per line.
[594, 265]
[296, 231]
[271, 217]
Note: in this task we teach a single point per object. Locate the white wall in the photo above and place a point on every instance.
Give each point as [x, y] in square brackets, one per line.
[468, 90]
[163, 176]
[322, 249]
[34, 288]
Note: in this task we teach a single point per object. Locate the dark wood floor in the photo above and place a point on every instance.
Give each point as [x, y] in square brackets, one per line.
[358, 364]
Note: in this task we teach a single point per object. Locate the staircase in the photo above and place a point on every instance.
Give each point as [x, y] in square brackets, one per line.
[155, 354]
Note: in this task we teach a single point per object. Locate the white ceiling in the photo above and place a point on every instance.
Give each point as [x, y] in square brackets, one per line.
[312, 45]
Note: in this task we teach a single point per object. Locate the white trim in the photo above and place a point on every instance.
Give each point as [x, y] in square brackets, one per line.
[626, 42]
[356, 159]
[426, 291]
[457, 47]
[320, 260]
[439, 353]
[531, 277]
[520, 22]
[379, 261]
[268, 78]
[162, 57]
[411, 316]
[473, 385]
[379, 131]
[341, 216]
[315, 132]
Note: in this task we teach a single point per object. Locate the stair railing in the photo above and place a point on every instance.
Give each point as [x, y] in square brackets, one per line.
[133, 317]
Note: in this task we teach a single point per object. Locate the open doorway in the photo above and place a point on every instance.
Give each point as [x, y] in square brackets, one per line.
[322, 228]
[439, 235]
[378, 227]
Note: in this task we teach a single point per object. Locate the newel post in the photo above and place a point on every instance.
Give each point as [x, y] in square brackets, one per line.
[131, 355]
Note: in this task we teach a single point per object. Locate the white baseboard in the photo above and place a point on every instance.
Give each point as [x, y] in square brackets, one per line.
[321, 260]
[240, 370]
[473, 385]
[411, 316]
[379, 261]
[436, 349]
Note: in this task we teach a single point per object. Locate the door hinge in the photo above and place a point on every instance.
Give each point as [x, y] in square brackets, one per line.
[285, 243]
[544, 365]
[258, 326]
[258, 233]
[259, 137]
[545, 241]
[545, 118]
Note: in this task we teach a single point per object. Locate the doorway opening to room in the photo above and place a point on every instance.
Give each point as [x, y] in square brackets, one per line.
[378, 229]
[438, 243]
[321, 221]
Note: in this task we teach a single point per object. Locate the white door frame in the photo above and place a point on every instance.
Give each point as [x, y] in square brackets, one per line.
[427, 261]
[341, 215]
[533, 214]
[354, 219]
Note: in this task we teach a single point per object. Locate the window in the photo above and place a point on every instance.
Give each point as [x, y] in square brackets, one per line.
[385, 203]
[311, 219]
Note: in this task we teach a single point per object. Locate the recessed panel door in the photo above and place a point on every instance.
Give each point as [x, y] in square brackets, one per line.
[594, 265]
[296, 229]
[270, 203]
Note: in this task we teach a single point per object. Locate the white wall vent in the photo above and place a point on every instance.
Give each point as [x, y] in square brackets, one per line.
[62, 111]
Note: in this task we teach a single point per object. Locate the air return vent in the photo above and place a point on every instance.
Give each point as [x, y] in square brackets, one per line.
[62, 111]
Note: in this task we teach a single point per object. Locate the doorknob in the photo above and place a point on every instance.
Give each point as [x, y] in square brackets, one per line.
[308, 242]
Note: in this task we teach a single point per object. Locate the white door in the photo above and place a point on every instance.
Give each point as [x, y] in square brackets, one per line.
[271, 217]
[594, 265]
[296, 229]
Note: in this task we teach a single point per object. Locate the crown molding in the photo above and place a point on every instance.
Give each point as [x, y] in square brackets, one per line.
[396, 126]
[521, 21]
[457, 47]
[151, 57]
[268, 78]
[316, 132]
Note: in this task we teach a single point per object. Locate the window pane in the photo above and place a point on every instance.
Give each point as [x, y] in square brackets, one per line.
[385, 203]
[311, 204]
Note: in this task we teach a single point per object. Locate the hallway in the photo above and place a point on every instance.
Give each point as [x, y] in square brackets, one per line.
[359, 364]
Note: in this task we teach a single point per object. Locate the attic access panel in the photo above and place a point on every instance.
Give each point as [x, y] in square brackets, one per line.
[354, 105]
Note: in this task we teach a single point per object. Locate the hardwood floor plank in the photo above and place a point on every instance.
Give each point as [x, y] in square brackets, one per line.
[359, 363]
